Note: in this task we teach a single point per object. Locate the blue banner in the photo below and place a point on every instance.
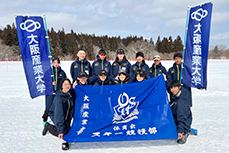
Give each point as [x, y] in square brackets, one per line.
[35, 54]
[197, 43]
[124, 112]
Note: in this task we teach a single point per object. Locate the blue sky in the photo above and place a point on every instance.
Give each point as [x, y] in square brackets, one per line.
[147, 18]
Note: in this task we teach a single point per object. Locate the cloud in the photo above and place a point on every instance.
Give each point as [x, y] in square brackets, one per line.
[220, 17]
[151, 28]
[221, 36]
[176, 23]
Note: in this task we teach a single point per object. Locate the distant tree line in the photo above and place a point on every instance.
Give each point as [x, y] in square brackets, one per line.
[66, 44]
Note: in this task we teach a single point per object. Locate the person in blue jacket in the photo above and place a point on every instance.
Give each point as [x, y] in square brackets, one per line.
[140, 64]
[80, 64]
[59, 74]
[157, 69]
[181, 109]
[61, 112]
[122, 77]
[174, 72]
[120, 63]
[101, 64]
[103, 79]
[82, 79]
[140, 75]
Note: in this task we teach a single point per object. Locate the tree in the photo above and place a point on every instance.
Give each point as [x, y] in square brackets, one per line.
[171, 46]
[164, 47]
[7, 35]
[158, 44]
[178, 45]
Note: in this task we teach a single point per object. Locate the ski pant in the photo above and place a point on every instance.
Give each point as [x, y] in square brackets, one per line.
[48, 104]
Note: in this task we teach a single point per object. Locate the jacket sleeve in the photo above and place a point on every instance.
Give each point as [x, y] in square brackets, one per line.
[59, 114]
[72, 71]
[93, 69]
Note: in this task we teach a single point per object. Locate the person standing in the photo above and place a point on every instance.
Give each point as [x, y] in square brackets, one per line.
[140, 64]
[120, 63]
[101, 64]
[80, 64]
[157, 69]
[59, 74]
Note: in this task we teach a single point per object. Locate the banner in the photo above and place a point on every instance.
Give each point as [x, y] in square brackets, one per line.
[35, 54]
[197, 43]
[124, 112]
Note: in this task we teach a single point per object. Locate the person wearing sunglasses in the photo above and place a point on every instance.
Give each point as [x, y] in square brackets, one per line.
[81, 64]
[139, 65]
[157, 69]
[120, 63]
[101, 64]
[140, 75]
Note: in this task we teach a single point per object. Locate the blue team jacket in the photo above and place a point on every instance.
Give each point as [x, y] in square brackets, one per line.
[79, 66]
[180, 106]
[99, 65]
[137, 66]
[118, 65]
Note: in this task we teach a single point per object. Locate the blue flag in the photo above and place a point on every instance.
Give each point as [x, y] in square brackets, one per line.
[35, 54]
[124, 112]
[197, 43]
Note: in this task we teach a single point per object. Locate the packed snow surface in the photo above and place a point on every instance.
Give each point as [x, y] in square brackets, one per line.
[21, 123]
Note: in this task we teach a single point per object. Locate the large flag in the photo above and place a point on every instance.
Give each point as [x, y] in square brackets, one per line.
[197, 43]
[124, 112]
[35, 54]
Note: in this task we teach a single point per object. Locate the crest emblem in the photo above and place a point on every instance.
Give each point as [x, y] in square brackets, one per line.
[126, 110]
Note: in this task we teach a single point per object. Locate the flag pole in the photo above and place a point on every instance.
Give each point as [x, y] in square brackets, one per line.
[50, 56]
[185, 36]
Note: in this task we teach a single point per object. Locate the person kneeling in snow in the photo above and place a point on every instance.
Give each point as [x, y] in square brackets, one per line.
[61, 112]
[180, 106]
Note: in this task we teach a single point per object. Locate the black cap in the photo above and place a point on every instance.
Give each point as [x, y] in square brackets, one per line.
[120, 51]
[140, 54]
[121, 72]
[102, 51]
[82, 74]
[102, 72]
[177, 55]
[56, 58]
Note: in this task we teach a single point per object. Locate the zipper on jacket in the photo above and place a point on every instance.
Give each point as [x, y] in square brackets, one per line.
[56, 78]
[102, 64]
[155, 71]
[139, 66]
[178, 73]
[66, 117]
[81, 66]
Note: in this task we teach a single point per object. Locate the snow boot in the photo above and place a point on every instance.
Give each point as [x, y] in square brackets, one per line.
[45, 130]
[45, 115]
[183, 139]
[65, 146]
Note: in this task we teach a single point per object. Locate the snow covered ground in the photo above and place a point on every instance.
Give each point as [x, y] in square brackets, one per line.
[21, 124]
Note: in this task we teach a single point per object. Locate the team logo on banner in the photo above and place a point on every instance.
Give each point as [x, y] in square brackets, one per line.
[126, 110]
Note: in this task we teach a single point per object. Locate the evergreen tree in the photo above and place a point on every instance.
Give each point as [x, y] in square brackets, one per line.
[158, 44]
[170, 49]
[164, 47]
[178, 45]
[62, 41]
[7, 35]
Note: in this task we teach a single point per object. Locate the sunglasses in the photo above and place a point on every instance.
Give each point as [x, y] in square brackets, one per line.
[140, 73]
[120, 50]
[156, 58]
[102, 54]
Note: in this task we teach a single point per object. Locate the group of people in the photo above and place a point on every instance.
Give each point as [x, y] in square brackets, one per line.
[60, 105]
